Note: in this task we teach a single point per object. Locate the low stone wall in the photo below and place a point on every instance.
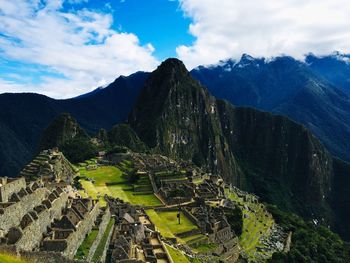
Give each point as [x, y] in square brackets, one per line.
[190, 217]
[75, 239]
[166, 209]
[32, 234]
[13, 214]
[189, 233]
[102, 228]
[103, 257]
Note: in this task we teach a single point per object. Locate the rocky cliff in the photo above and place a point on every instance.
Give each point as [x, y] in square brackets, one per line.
[281, 160]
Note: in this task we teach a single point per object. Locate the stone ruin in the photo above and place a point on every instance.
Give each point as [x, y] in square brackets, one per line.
[176, 191]
[212, 222]
[134, 238]
[35, 219]
[210, 190]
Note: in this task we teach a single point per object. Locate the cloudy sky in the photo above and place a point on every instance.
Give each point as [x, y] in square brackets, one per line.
[63, 48]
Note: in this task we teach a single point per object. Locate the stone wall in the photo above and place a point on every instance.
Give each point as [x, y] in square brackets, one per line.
[14, 213]
[10, 186]
[221, 235]
[104, 254]
[189, 233]
[75, 239]
[102, 228]
[32, 234]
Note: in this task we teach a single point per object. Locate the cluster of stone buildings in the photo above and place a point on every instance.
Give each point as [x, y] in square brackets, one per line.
[134, 238]
[212, 222]
[39, 220]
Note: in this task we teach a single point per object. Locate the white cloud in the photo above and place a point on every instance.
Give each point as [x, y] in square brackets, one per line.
[78, 44]
[228, 28]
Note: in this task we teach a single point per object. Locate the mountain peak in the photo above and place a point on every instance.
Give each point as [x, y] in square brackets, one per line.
[247, 60]
[246, 57]
[172, 67]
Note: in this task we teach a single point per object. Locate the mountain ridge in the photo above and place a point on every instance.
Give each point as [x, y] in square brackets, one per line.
[288, 87]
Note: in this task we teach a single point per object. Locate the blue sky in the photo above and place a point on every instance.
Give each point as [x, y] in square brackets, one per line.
[63, 48]
[160, 22]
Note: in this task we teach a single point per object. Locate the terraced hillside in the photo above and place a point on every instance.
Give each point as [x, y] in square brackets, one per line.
[49, 164]
[258, 227]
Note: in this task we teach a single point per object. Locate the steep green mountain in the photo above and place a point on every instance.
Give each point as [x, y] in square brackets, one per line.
[270, 155]
[175, 116]
[61, 129]
[281, 160]
[301, 91]
[65, 133]
[23, 117]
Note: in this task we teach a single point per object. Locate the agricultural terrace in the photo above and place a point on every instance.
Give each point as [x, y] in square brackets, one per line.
[257, 223]
[115, 182]
[168, 225]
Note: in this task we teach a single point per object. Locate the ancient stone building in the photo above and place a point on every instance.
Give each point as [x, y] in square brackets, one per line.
[38, 222]
[134, 238]
[68, 232]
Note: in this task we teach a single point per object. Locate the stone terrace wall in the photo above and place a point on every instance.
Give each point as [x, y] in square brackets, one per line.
[104, 253]
[10, 187]
[32, 234]
[102, 228]
[13, 214]
[76, 238]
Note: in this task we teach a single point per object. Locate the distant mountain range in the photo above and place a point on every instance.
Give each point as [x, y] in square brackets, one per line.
[315, 93]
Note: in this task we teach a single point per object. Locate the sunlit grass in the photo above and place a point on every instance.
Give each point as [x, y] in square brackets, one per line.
[11, 259]
[111, 181]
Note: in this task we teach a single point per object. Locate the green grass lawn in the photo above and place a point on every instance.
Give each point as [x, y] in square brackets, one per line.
[104, 174]
[111, 181]
[83, 250]
[255, 225]
[168, 226]
[176, 255]
[11, 259]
